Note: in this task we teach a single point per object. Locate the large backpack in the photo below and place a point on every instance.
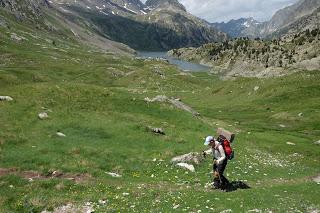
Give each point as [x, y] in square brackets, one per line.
[226, 147]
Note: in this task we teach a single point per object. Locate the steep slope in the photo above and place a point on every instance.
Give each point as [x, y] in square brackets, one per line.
[157, 25]
[307, 22]
[236, 28]
[42, 15]
[283, 18]
[185, 29]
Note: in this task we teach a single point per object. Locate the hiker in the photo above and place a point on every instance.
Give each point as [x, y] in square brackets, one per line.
[220, 161]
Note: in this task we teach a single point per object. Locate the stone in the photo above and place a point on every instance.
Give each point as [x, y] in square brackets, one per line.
[159, 98]
[6, 98]
[300, 114]
[16, 38]
[193, 157]
[317, 142]
[190, 167]
[87, 208]
[43, 115]
[256, 88]
[290, 143]
[316, 179]
[158, 131]
[60, 134]
[113, 174]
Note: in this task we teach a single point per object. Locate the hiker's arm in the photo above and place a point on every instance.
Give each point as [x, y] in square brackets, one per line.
[223, 155]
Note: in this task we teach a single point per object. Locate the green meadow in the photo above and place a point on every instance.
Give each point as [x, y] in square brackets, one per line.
[97, 100]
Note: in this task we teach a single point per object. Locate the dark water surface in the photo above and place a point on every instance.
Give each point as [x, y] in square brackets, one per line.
[183, 65]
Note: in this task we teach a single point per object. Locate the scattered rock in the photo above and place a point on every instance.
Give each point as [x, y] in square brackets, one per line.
[113, 174]
[17, 38]
[290, 143]
[158, 98]
[316, 179]
[300, 114]
[193, 157]
[6, 98]
[226, 211]
[43, 115]
[256, 88]
[176, 206]
[282, 126]
[102, 202]
[70, 208]
[317, 142]
[34, 175]
[60, 134]
[158, 131]
[187, 166]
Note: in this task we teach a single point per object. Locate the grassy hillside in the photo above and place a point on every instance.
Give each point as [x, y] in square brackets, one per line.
[97, 100]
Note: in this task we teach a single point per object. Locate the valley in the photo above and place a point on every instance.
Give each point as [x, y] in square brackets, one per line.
[81, 114]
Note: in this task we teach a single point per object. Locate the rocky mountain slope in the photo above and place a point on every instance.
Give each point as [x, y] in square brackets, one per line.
[258, 58]
[176, 27]
[283, 18]
[154, 26]
[42, 15]
[236, 28]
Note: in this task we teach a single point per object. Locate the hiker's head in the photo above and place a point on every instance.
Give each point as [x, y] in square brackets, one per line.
[209, 140]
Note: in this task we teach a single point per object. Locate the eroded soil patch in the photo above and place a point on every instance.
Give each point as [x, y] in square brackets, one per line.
[34, 175]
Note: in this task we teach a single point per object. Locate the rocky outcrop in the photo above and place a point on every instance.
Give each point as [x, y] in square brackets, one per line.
[6, 98]
[258, 58]
[158, 25]
[192, 157]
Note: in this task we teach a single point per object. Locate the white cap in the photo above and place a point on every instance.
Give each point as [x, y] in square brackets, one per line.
[208, 139]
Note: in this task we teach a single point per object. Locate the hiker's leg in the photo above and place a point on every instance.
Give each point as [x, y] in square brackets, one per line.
[216, 179]
[221, 168]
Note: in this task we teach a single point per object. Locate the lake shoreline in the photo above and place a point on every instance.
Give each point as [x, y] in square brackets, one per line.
[184, 65]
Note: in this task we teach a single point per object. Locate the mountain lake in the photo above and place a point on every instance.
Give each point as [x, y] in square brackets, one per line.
[183, 65]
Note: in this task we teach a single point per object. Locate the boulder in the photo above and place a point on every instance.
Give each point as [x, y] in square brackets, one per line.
[43, 115]
[290, 143]
[60, 134]
[158, 131]
[193, 157]
[113, 174]
[317, 142]
[316, 179]
[186, 166]
[6, 98]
